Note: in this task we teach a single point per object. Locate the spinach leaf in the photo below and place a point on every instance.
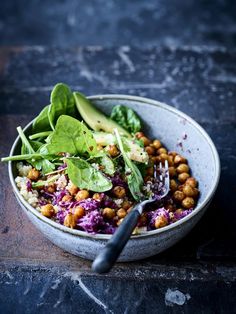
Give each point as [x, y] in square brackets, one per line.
[71, 136]
[83, 175]
[126, 118]
[28, 149]
[62, 102]
[134, 177]
[41, 122]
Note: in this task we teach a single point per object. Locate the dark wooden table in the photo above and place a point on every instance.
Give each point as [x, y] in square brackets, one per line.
[196, 275]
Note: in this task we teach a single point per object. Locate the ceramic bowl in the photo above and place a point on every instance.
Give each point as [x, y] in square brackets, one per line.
[178, 132]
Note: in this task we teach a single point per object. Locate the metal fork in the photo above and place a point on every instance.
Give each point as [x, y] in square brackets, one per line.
[109, 254]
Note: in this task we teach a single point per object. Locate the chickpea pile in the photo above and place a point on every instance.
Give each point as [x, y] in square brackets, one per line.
[183, 187]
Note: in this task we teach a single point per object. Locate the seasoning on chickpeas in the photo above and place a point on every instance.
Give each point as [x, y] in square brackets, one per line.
[172, 172]
[192, 182]
[121, 213]
[72, 189]
[157, 144]
[160, 221]
[47, 210]
[188, 202]
[178, 196]
[163, 157]
[112, 150]
[119, 191]
[182, 177]
[70, 221]
[79, 212]
[81, 195]
[67, 198]
[179, 159]
[108, 213]
[150, 150]
[162, 151]
[188, 190]
[173, 185]
[182, 168]
[97, 196]
[33, 174]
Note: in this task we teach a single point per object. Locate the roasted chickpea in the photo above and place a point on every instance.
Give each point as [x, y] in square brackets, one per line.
[126, 204]
[79, 212]
[112, 150]
[160, 221]
[108, 213]
[157, 144]
[47, 210]
[67, 198]
[119, 191]
[173, 185]
[138, 135]
[188, 202]
[33, 174]
[70, 221]
[72, 189]
[154, 159]
[173, 154]
[145, 141]
[178, 159]
[182, 168]
[99, 147]
[97, 196]
[163, 157]
[188, 190]
[170, 161]
[172, 172]
[82, 195]
[192, 182]
[150, 150]
[121, 213]
[178, 196]
[51, 188]
[182, 177]
[196, 192]
[162, 150]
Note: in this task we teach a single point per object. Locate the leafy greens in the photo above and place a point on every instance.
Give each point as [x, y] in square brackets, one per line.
[126, 118]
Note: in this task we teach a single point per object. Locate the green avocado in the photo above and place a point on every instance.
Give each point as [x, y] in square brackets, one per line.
[97, 120]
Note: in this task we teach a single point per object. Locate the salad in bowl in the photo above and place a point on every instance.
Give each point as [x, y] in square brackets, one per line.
[86, 171]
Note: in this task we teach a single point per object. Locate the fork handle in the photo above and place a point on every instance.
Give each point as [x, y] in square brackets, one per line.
[109, 254]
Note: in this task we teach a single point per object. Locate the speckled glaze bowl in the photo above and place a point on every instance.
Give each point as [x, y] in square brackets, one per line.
[171, 127]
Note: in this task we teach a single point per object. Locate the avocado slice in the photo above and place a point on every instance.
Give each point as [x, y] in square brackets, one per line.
[97, 120]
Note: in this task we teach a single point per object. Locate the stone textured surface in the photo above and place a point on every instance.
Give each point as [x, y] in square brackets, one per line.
[107, 23]
[199, 272]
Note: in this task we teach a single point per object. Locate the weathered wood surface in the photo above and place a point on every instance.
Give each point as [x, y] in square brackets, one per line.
[201, 82]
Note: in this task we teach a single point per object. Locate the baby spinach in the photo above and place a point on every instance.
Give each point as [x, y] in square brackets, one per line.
[62, 102]
[134, 177]
[71, 136]
[126, 118]
[83, 175]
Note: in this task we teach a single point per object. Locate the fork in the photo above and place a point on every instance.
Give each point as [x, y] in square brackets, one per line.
[109, 254]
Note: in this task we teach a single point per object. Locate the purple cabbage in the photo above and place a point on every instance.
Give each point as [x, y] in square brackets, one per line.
[29, 185]
[183, 214]
[88, 204]
[152, 215]
[92, 222]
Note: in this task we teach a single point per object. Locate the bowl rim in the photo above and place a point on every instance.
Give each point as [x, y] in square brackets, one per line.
[147, 101]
